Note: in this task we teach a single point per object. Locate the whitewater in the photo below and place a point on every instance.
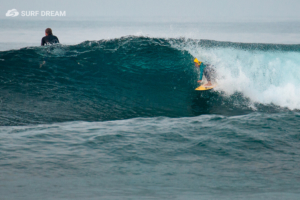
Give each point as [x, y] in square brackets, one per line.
[112, 113]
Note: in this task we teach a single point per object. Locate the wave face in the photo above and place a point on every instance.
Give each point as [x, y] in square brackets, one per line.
[144, 77]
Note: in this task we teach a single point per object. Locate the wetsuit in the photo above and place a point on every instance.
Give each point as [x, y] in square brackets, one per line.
[208, 72]
[49, 39]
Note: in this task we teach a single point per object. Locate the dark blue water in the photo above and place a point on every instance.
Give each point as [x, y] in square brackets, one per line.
[120, 119]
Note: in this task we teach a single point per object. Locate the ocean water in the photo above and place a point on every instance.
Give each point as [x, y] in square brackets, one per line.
[111, 112]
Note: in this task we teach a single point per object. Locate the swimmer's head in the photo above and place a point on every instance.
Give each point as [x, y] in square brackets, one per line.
[48, 31]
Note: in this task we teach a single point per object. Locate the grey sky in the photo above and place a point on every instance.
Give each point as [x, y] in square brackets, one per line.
[213, 9]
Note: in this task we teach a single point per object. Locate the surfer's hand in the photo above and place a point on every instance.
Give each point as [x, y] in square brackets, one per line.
[199, 81]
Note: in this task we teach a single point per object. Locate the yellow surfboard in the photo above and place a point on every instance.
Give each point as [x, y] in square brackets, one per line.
[202, 87]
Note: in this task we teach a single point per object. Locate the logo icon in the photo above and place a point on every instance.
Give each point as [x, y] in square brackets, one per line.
[12, 13]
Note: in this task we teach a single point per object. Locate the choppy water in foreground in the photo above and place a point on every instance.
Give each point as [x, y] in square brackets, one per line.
[120, 119]
[255, 156]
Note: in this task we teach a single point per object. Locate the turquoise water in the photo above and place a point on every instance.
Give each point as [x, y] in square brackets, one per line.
[118, 118]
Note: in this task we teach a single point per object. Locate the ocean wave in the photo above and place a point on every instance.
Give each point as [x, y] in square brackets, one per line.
[144, 77]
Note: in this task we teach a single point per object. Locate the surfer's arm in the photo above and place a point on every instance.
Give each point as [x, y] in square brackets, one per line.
[57, 39]
[42, 42]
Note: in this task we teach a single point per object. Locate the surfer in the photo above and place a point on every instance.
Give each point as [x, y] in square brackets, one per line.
[207, 70]
[49, 38]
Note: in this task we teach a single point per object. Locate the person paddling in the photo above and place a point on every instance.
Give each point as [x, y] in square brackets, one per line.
[49, 38]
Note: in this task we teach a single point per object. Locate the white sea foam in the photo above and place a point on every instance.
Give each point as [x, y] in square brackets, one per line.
[267, 77]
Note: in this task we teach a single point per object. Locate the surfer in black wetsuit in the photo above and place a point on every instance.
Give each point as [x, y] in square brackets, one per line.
[49, 38]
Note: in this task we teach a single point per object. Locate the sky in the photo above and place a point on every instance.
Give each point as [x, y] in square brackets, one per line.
[106, 19]
[201, 9]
